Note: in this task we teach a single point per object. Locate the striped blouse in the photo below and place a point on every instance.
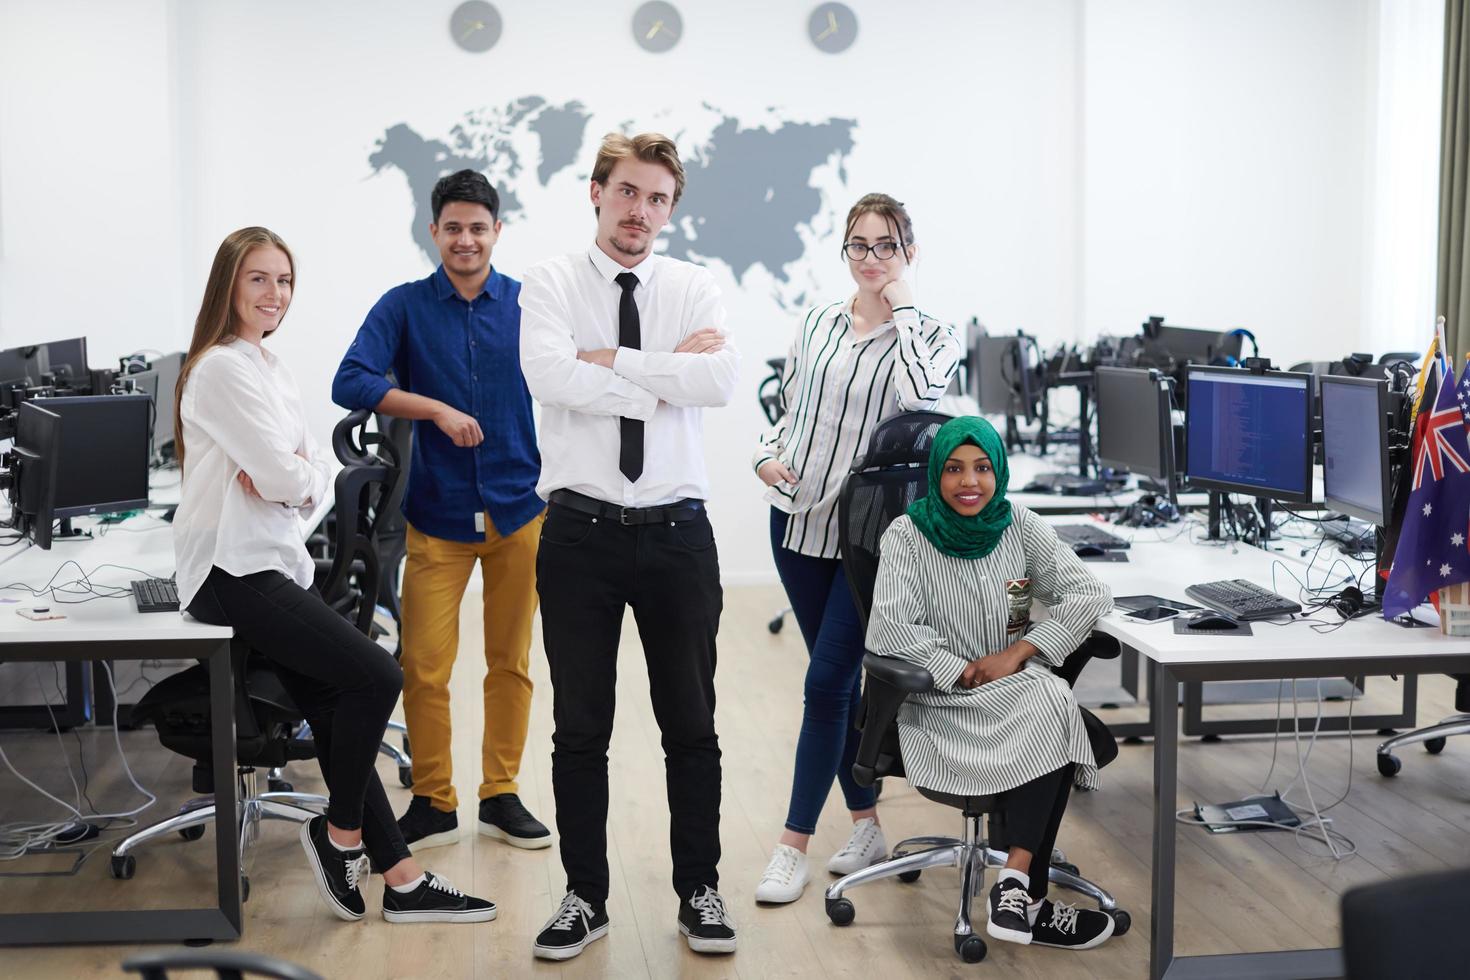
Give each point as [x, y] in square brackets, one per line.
[943, 612]
[835, 389]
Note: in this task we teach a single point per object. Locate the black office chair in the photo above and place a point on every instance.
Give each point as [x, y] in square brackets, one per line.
[1407, 927]
[270, 730]
[892, 475]
[1432, 736]
[227, 964]
[369, 534]
[769, 395]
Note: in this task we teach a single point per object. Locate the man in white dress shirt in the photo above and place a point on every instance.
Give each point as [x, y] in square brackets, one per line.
[623, 349]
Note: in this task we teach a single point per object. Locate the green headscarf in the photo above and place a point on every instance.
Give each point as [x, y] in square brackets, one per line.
[952, 533]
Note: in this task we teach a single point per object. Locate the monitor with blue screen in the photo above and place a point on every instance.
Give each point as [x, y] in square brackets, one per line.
[1250, 433]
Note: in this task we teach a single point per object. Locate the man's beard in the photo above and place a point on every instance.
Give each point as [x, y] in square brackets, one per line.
[629, 249]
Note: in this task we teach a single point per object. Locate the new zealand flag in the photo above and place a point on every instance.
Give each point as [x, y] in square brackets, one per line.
[1432, 550]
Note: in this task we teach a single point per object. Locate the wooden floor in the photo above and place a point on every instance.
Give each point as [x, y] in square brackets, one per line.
[1237, 893]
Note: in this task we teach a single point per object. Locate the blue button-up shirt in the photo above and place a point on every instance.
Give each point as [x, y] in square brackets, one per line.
[467, 355]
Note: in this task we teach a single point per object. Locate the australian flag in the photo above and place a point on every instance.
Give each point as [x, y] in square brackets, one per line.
[1432, 551]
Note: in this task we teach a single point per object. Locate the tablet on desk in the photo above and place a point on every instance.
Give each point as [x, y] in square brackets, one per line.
[1150, 608]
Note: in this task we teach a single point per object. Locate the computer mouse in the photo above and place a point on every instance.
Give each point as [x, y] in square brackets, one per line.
[1087, 551]
[1209, 619]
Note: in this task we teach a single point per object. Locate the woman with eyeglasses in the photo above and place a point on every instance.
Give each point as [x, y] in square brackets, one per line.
[853, 363]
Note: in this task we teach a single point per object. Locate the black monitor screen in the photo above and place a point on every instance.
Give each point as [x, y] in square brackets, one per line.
[1355, 447]
[67, 358]
[1195, 346]
[1134, 429]
[1250, 433]
[104, 454]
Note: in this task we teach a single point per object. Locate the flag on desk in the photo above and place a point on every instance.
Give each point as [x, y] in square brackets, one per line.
[1432, 550]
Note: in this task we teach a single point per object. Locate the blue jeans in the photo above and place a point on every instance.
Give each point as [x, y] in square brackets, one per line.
[827, 745]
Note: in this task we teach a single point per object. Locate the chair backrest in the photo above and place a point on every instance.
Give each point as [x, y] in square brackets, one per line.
[1407, 927]
[365, 486]
[769, 392]
[393, 528]
[891, 475]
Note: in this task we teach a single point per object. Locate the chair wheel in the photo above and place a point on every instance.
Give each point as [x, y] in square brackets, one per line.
[972, 949]
[406, 750]
[840, 911]
[775, 625]
[1068, 867]
[909, 877]
[1434, 746]
[192, 833]
[1388, 765]
[1122, 922]
[124, 866]
[405, 777]
[279, 786]
[244, 889]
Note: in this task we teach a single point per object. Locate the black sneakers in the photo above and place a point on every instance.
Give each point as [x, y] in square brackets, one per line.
[706, 923]
[422, 826]
[1068, 927]
[435, 900]
[575, 924]
[505, 818]
[1007, 907]
[338, 873]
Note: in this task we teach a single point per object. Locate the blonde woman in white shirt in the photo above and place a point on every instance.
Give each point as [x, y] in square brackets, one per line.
[249, 463]
[854, 363]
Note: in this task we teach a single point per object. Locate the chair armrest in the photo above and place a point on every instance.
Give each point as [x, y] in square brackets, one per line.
[223, 961]
[890, 682]
[906, 676]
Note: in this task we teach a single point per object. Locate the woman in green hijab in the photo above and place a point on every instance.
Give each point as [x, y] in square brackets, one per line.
[956, 580]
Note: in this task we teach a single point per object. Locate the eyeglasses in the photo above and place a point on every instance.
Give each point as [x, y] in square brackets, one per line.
[857, 251]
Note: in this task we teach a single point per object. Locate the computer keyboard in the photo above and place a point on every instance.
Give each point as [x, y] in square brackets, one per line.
[1242, 599]
[1090, 534]
[156, 595]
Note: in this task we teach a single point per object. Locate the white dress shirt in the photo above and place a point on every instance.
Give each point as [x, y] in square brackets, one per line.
[570, 304]
[241, 410]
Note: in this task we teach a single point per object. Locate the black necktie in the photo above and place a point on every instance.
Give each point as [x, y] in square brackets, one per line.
[630, 334]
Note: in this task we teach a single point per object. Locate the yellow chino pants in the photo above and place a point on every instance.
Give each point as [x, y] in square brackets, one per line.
[434, 582]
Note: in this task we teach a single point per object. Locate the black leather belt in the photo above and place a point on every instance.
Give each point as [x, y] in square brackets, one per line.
[680, 510]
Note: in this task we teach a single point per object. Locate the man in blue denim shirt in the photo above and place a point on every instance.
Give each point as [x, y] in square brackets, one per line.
[452, 344]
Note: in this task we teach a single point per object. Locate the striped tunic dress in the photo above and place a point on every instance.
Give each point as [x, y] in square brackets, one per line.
[835, 389]
[942, 612]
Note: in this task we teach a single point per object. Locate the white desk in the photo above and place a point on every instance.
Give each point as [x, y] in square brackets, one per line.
[113, 629]
[1360, 647]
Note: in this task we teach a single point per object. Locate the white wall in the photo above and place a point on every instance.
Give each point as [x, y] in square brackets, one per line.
[90, 241]
[1016, 133]
[1226, 146]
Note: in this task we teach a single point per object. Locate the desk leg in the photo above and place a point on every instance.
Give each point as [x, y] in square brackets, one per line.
[1165, 711]
[226, 831]
[1128, 667]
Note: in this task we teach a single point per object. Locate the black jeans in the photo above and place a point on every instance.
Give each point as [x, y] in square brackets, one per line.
[344, 683]
[587, 571]
[1029, 818]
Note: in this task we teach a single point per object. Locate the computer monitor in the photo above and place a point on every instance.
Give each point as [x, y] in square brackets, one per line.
[1355, 447]
[19, 366]
[1248, 432]
[159, 383]
[38, 446]
[103, 460]
[1135, 429]
[67, 360]
[1188, 345]
[1003, 381]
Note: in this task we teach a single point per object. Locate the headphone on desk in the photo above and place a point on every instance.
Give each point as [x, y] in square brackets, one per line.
[1148, 511]
[1347, 603]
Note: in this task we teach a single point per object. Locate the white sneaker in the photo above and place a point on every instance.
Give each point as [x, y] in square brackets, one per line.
[785, 878]
[866, 846]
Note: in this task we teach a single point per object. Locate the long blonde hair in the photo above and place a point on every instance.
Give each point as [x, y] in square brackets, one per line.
[217, 322]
